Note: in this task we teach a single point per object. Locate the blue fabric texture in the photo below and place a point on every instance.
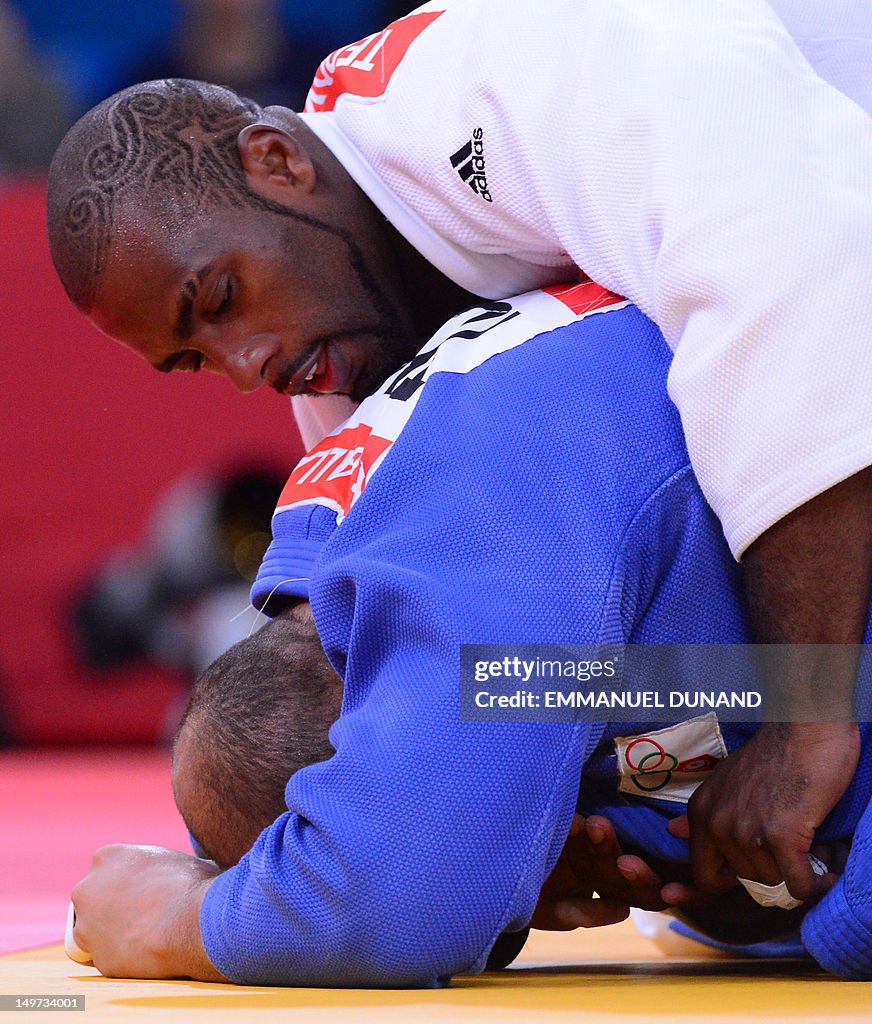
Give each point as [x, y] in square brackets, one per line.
[528, 500]
[789, 946]
[838, 931]
[289, 562]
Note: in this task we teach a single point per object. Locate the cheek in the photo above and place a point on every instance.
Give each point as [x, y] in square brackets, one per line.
[328, 281]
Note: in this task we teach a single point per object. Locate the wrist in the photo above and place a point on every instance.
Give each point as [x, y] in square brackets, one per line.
[806, 682]
[179, 944]
[795, 742]
[809, 732]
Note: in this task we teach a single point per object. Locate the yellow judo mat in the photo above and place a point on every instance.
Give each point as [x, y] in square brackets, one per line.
[610, 975]
[58, 806]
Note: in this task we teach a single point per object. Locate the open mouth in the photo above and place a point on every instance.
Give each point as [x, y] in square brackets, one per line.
[330, 367]
[317, 366]
[328, 373]
[295, 379]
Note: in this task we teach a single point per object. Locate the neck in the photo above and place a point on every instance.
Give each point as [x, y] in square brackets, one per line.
[432, 297]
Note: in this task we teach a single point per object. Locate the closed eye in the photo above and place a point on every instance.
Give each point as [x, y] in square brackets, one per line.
[222, 299]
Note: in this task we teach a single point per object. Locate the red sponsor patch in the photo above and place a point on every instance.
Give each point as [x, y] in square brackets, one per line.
[585, 297]
[365, 68]
[702, 763]
[335, 471]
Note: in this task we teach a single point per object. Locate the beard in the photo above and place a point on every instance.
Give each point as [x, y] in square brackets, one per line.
[383, 361]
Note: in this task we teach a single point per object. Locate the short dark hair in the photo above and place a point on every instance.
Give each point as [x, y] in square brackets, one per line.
[258, 714]
[167, 140]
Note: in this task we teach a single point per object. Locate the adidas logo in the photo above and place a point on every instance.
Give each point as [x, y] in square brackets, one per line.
[469, 164]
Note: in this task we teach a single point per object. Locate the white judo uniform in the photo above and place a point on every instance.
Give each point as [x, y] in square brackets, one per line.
[684, 155]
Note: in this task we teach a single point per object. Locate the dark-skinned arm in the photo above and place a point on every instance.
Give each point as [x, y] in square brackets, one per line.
[808, 582]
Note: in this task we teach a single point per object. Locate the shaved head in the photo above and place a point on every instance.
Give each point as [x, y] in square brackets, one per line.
[202, 232]
[258, 714]
[165, 145]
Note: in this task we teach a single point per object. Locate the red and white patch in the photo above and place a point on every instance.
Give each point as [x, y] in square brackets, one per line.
[334, 472]
[365, 68]
[669, 764]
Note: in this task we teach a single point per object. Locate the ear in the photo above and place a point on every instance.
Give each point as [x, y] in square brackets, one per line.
[276, 166]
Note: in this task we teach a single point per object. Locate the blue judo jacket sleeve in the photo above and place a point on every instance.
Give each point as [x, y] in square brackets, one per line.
[838, 931]
[369, 878]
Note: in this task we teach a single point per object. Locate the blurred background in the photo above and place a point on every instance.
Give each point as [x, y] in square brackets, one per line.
[133, 508]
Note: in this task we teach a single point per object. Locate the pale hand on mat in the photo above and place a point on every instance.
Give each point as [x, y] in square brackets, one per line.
[74, 951]
[138, 913]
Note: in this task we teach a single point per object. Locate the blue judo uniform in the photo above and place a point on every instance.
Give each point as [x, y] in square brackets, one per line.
[524, 479]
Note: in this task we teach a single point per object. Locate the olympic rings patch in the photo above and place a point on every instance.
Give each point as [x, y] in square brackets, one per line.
[652, 762]
[670, 762]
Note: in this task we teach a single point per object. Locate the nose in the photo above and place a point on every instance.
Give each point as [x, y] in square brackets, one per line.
[244, 361]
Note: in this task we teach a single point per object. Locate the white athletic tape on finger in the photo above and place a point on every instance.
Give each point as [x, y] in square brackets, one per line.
[779, 895]
[71, 948]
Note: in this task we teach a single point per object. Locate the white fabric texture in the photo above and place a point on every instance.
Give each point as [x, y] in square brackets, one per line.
[683, 154]
[317, 415]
